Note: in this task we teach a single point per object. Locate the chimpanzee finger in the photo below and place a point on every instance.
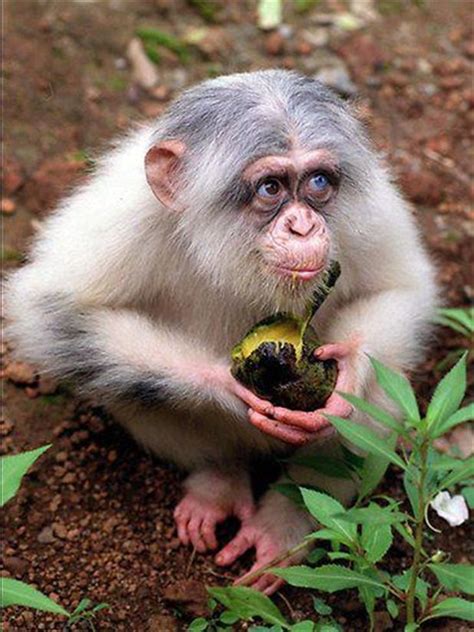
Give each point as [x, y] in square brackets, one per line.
[311, 422]
[253, 401]
[337, 406]
[278, 430]
[333, 351]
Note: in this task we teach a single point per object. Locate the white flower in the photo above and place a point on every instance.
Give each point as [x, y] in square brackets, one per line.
[454, 510]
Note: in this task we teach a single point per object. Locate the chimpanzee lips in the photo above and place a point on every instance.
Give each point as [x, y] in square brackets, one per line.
[303, 273]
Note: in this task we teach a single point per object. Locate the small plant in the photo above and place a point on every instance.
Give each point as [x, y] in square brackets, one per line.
[14, 592]
[460, 320]
[153, 38]
[360, 537]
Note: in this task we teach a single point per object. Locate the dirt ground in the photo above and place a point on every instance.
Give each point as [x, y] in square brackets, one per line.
[94, 518]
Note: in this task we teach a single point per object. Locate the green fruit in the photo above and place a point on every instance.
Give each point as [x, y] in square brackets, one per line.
[276, 358]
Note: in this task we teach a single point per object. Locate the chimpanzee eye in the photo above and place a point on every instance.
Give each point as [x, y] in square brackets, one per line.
[269, 188]
[318, 182]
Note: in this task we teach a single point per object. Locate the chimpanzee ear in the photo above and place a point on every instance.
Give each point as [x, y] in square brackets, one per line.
[162, 167]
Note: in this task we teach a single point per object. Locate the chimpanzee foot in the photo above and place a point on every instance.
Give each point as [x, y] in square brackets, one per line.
[270, 539]
[211, 497]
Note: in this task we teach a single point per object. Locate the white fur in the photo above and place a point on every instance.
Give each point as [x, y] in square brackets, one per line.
[139, 272]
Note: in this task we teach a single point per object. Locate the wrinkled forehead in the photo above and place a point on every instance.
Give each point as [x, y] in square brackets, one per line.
[294, 162]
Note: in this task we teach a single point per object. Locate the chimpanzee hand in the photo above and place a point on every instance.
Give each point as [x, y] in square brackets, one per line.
[298, 427]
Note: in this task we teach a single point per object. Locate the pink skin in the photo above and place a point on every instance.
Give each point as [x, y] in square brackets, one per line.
[267, 548]
[209, 503]
[298, 427]
[292, 426]
[295, 244]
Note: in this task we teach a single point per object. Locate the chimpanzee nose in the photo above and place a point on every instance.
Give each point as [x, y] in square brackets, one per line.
[301, 223]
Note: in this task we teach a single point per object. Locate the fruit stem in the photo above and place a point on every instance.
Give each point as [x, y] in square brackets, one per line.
[328, 281]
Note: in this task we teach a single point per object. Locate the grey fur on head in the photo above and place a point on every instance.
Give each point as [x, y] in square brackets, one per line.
[229, 122]
[243, 117]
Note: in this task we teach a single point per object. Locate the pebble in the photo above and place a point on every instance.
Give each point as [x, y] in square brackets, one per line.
[275, 43]
[144, 71]
[303, 47]
[46, 536]
[20, 373]
[179, 78]
[47, 385]
[32, 393]
[61, 457]
[12, 176]
[186, 590]
[338, 79]
[60, 530]
[318, 38]
[162, 623]
[8, 206]
[428, 89]
[15, 565]
[160, 93]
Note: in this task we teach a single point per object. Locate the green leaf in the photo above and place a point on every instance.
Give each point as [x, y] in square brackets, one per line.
[444, 462]
[291, 491]
[324, 507]
[392, 608]
[459, 417]
[269, 14]
[340, 555]
[374, 469]
[375, 412]
[468, 493]
[448, 395]
[328, 578]
[248, 603]
[329, 534]
[398, 388]
[411, 627]
[302, 6]
[405, 533]
[366, 439]
[16, 593]
[455, 577]
[374, 514]
[376, 540]
[328, 626]
[329, 466]
[321, 607]
[81, 606]
[198, 625]
[412, 491]
[453, 607]
[368, 598]
[13, 468]
[315, 556]
[303, 626]
[229, 617]
[421, 590]
[463, 472]
[155, 36]
[452, 324]
[465, 317]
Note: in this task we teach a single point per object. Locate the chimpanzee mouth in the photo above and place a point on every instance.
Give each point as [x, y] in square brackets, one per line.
[302, 274]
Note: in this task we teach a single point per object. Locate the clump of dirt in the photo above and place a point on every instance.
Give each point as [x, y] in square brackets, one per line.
[94, 518]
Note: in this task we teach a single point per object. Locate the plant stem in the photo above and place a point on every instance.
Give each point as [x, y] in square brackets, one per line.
[415, 567]
[249, 578]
